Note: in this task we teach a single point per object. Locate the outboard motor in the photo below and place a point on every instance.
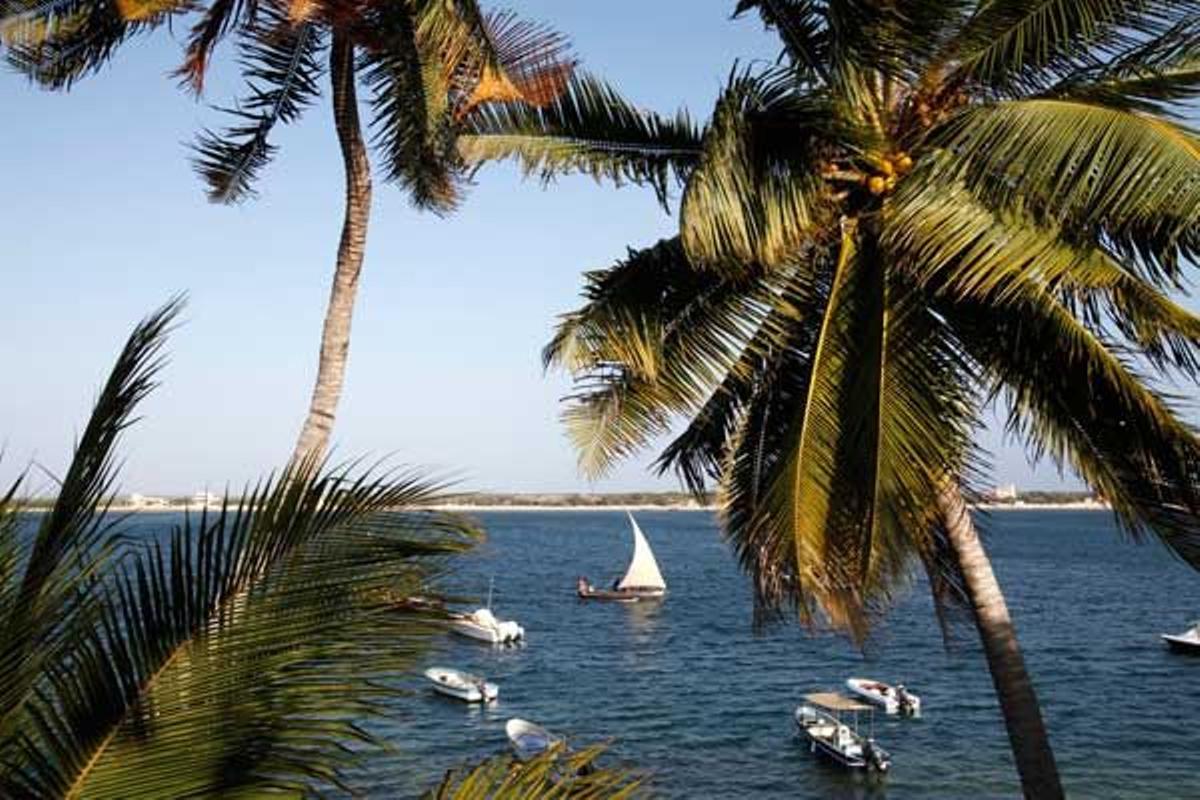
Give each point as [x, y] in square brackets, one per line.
[876, 757]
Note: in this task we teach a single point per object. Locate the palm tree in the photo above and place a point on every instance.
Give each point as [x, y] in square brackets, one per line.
[427, 64]
[921, 209]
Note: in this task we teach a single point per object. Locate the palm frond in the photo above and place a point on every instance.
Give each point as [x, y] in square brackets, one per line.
[205, 33]
[49, 578]
[1023, 46]
[589, 128]
[756, 193]
[1163, 86]
[553, 774]
[251, 647]
[282, 65]
[801, 25]
[1070, 397]
[57, 42]
[413, 126]
[1126, 179]
[950, 244]
[655, 337]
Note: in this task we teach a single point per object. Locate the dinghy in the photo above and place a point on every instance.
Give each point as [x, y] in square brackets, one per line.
[1186, 642]
[529, 740]
[462, 685]
[893, 699]
[822, 718]
[642, 580]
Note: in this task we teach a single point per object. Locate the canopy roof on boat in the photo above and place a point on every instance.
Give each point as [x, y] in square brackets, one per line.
[836, 702]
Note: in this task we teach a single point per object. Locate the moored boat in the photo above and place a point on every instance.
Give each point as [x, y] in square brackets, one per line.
[822, 719]
[462, 685]
[642, 581]
[892, 699]
[1186, 642]
[529, 739]
[483, 625]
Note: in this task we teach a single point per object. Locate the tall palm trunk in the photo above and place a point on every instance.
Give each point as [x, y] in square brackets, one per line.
[335, 336]
[1018, 700]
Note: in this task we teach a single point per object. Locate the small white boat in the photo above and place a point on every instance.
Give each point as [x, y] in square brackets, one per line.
[1186, 642]
[822, 718]
[528, 739]
[893, 699]
[483, 625]
[462, 685]
[642, 581]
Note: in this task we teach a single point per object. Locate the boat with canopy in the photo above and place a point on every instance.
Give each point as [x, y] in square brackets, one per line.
[831, 723]
[642, 580]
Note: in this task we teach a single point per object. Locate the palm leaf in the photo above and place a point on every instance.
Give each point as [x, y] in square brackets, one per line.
[589, 128]
[1131, 180]
[756, 194]
[281, 62]
[553, 774]
[413, 121]
[1022, 46]
[1071, 398]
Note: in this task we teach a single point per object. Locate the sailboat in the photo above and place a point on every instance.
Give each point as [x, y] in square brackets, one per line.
[642, 580]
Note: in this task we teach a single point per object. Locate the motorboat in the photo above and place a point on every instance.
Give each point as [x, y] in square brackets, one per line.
[830, 721]
[462, 685]
[1186, 642]
[892, 699]
[483, 625]
[529, 739]
[642, 580]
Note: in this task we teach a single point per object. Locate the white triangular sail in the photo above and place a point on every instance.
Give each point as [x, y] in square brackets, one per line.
[643, 569]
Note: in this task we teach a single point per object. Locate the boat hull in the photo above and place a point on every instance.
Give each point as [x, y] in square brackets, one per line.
[1182, 644]
[529, 740]
[621, 595]
[884, 696]
[461, 686]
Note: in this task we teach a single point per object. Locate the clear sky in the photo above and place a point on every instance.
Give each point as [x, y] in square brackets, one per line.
[103, 220]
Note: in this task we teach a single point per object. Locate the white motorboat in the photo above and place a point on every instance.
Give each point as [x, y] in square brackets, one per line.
[483, 625]
[642, 581]
[893, 699]
[1186, 642]
[822, 718]
[462, 685]
[528, 739]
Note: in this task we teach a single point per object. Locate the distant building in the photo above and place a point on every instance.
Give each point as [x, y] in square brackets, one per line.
[145, 501]
[1008, 492]
[205, 500]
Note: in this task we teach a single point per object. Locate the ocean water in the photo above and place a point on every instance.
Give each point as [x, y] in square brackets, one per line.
[687, 692]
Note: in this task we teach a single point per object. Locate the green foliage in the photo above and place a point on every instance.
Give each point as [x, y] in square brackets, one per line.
[429, 65]
[554, 774]
[240, 653]
[921, 208]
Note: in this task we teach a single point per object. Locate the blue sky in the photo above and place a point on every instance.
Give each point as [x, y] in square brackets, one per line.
[103, 220]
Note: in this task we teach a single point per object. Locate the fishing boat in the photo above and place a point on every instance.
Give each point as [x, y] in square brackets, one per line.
[893, 699]
[642, 581]
[482, 624]
[529, 739]
[1186, 642]
[822, 718]
[462, 685]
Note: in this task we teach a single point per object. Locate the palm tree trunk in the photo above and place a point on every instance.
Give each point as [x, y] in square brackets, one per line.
[1014, 689]
[335, 337]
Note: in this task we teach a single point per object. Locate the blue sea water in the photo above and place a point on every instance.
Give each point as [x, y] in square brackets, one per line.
[689, 693]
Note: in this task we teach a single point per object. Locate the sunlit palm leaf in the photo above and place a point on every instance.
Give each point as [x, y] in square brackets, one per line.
[589, 129]
[553, 774]
[1133, 179]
